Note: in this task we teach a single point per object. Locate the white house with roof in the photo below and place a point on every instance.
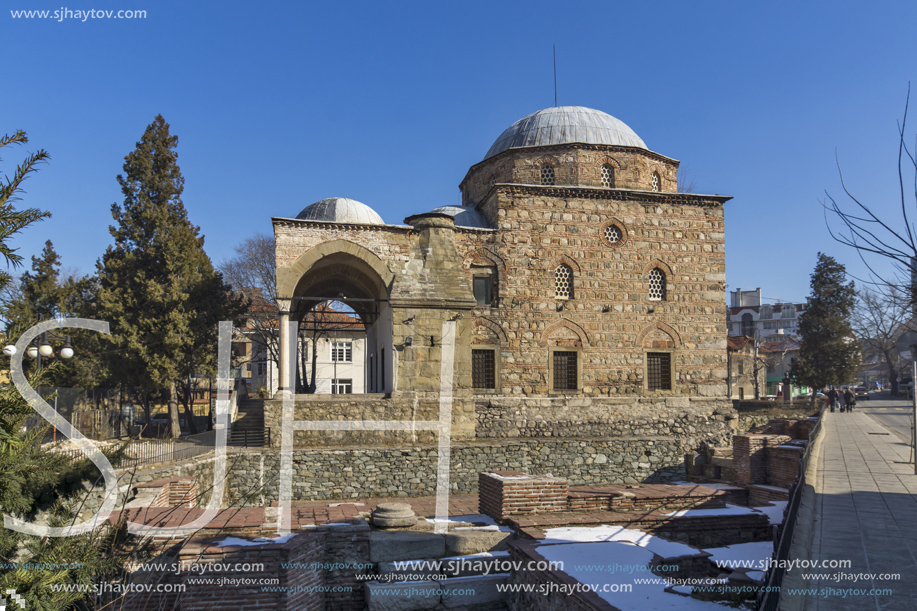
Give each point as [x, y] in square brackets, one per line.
[748, 316]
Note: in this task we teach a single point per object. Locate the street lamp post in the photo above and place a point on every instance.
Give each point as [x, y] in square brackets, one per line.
[42, 347]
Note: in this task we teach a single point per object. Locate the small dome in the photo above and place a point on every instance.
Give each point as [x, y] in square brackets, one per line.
[464, 217]
[340, 210]
[565, 125]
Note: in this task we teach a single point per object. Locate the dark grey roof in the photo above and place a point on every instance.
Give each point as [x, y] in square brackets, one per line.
[340, 210]
[564, 125]
[464, 217]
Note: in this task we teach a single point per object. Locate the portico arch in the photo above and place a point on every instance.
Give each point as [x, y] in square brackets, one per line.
[346, 272]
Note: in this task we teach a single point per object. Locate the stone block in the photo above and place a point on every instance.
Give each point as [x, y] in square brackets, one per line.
[463, 542]
[405, 545]
[483, 588]
[396, 597]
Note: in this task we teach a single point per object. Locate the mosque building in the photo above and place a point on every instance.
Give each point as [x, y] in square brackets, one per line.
[588, 294]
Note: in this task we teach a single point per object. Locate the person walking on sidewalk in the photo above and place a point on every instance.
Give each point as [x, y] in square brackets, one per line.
[850, 399]
[841, 403]
[832, 398]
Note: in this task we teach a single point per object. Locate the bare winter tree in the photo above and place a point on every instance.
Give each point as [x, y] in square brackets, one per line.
[252, 271]
[879, 320]
[685, 180]
[893, 239]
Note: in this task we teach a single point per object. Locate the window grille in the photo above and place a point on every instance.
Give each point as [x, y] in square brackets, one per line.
[341, 387]
[342, 352]
[613, 234]
[563, 282]
[656, 182]
[608, 176]
[659, 371]
[565, 377]
[483, 374]
[547, 175]
[657, 285]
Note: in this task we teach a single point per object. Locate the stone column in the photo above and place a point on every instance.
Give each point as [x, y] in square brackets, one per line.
[285, 367]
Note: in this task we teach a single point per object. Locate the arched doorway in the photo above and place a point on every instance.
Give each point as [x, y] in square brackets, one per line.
[337, 282]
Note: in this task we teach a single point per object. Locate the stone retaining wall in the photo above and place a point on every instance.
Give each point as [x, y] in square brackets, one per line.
[337, 473]
[129, 480]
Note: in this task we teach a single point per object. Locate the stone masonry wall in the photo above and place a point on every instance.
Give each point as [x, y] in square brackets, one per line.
[610, 319]
[340, 473]
[200, 468]
[398, 406]
[574, 165]
[695, 419]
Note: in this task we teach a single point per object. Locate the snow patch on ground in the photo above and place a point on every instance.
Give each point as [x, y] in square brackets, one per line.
[228, 541]
[758, 552]
[584, 534]
[729, 510]
[580, 560]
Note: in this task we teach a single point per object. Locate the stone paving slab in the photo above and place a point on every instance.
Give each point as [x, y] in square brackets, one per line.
[865, 513]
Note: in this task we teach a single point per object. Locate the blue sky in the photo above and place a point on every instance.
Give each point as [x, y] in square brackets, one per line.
[278, 105]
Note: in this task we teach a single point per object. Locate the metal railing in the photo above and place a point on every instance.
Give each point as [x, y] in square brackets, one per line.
[149, 451]
[769, 596]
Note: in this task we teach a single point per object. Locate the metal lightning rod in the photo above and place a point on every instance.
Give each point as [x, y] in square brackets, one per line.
[555, 75]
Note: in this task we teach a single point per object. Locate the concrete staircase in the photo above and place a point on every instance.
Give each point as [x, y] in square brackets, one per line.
[248, 429]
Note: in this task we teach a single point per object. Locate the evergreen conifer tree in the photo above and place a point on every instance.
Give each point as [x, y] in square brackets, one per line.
[157, 286]
[830, 354]
[34, 482]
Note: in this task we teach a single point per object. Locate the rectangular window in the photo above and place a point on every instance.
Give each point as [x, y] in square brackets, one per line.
[341, 387]
[482, 369]
[658, 371]
[483, 290]
[261, 369]
[342, 352]
[565, 377]
[741, 368]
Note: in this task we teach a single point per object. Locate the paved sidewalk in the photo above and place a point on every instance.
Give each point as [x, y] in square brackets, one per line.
[865, 511]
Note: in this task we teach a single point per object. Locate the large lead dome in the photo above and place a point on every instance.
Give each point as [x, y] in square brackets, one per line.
[565, 125]
[340, 210]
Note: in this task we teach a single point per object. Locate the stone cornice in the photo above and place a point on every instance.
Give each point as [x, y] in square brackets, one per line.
[275, 220]
[630, 195]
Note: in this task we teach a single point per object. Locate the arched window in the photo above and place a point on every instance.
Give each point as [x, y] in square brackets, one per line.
[657, 184]
[563, 282]
[547, 174]
[748, 325]
[608, 176]
[657, 284]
